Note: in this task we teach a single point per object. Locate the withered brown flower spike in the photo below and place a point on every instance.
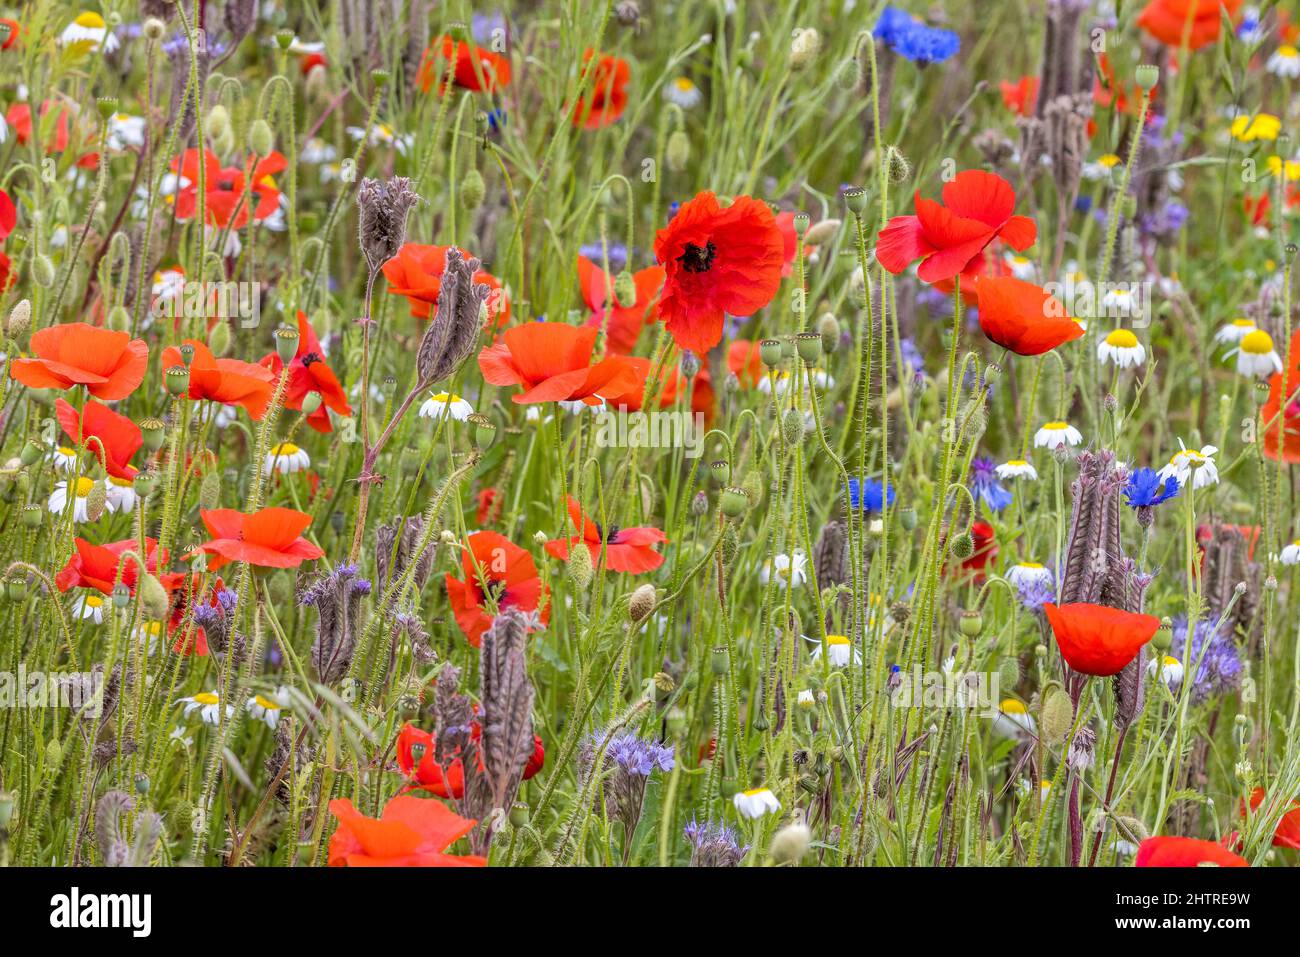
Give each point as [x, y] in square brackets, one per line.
[381, 221]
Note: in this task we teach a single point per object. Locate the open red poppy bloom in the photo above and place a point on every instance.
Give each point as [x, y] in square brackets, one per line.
[228, 381]
[224, 189]
[8, 216]
[608, 97]
[416, 273]
[1023, 316]
[1020, 97]
[492, 564]
[475, 67]
[95, 566]
[191, 591]
[1098, 640]
[110, 437]
[622, 324]
[551, 361]
[1167, 851]
[671, 383]
[489, 506]
[1288, 829]
[309, 372]
[1168, 20]
[716, 261]
[977, 208]
[745, 360]
[20, 118]
[429, 776]
[410, 832]
[268, 538]
[1282, 425]
[629, 550]
[109, 364]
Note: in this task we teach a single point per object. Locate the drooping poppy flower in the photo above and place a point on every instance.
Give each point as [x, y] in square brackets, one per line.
[309, 372]
[228, 381]
[476, 68]
[608, 95]
[551, 361]
[20, 118]
[1023, 316]
[1282, 424]
[1020, 97]
[268, 538]
[1287, 833]
[108, 363]
[977, 208]
[110, 437]
[492, 564]
[716, 261]
[630, 550]
[224, 189]
[416, 273]
[430, 777]
[1169, 21]
[1098, 640]
[671, 383]
[1169, 851]
[8, 216]
[623, 324]
[744, 359]
[410, 832]
[95, 566]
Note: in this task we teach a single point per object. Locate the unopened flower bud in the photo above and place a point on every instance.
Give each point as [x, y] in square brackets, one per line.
[472, 190]
[641, 603]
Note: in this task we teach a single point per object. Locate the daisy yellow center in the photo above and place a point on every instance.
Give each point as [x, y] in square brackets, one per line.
[1288, 51]
[206, 697]
[94, 601]
[64, 450]
[90, 20]
[285, 448]
[1187, 455]
[837, 640]
[1109, 160]
[1170, 660]
[1244, 323]
[1258, 343]
[120, 482]
[1012, 706]
[84, 485]
[266, 703]
[683, 84]
[1032, 566]
[1056, 426]
[446, 397]
[153, 628]
[1017, 463]
[754, 792]
[1122, 339]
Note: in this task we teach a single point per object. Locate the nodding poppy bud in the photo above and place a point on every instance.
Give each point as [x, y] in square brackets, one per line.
[899, 170]
[720, 661]
[144, 483]
[792, 426]
[96, 502]
[154, 432]
[809, 346]
[311, 402]
[219, 339]
[217, 122]
[286, 343]
[855, 198]
[962, 546]
[729, 545]
[31, 453]
[472, 190]
[641, 603]
[20, 319]
[187, 353]
[1008, 673]
[518, 814]
[118, 319]
[971, 623]
[16, 588]
[828, 327]
[690, 364]
[153, 597]
[678, 151]
[32, 516]
[42, 271]
[485, 430]
[734, 501]
[579, 565]
[700, 504]
[121, 595]
[625, 289]
[177, 380]
[720, 470]
[1147, 76]
[821, 232]
[142, 784]
[1056, 715]
[210, 490]
[769, 350]
[804, 47]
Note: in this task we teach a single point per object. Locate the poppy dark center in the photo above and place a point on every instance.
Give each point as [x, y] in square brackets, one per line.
[698, 258]
[608, 535]
[228, 185]
[309, 358]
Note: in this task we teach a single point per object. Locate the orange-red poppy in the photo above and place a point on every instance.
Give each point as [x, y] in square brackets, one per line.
[489, 506]
[630, 550]
[672, 381]
[224, 189]
[430, 777]
[228, 381]
[1023, 316]
[1287, 833]
[108, 363]
[20, 119]
[493, 565]
[7, 276]
[1098, 640]
[110, 437]
[309, 372]
[14, 30]
[268, 538]
[608, 97]
[476, 68]
[716, 261]
[1170, 21]
[551, 361]
[95, 566]
[977, 208]
[1021, 96]
[745, 360]
[1282, 426]
[416, 273]
[623, 324]
[192, 591]
[8, 216]
[410, 832]
[1168, 851]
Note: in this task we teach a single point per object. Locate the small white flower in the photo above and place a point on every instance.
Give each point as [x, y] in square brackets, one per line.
[120, 495]
[125, 130]
[1029, 573]
[788, 569]
[1101, 167]
[1120, 301]
[1124, 848]
[683, 92]
[1187, 463]
[1256, 356]
[59, 498]
[149, 632]
[90, 604]
[839, 649]
[1022, 267]
[1171, 670]
[1055, 434]
[285, 458]
[1013, 720]
[208, 705]
[1291, 554]
[381, 134]
[806, 698]
[819, 377]
[1122, 348]
[756, 802]
[1235, 331]
[64, 458]
[89, 28]
[1017, 468]
[445, 403]
[267, 709]
[1285, 61]
[317, 151]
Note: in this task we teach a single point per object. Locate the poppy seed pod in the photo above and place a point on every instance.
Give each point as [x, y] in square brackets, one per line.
[153, 431]
[286, 343]
[15, 588]
[485, 430]
[177, 380]
[971, 623]
[720, 662]
[720, 470]
[187, 353]
[809, 346]
[907, 517]
[518, 814]
[284, 39]
[144, 483]
[32, 516]
[734, 501]
[106, 106]
[855, 198]
[801, 223]
[769, 350]
[1147, 76]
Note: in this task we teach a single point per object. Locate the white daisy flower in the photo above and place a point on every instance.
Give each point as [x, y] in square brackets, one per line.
[1017, 468]
[806, 698]
[381, 134]
[267, 709]
[1022, 267]
[1101, 167]
[149, 632]
[317, 151]
[819, 378]
[839, 649]
[683, 92]
[286, 458]
[125, 130]
[1256, 355]
[1187, 463]
[89, 28]
[64, 458]
[1120, 301]
[1291, 554]
[208, 705]
[577, 406]
[1013, 720]
[90, 604]
[444, 403]
[1029, 573]
[756, 802]
[1055, 434]
[1285, 61]
[81, 492]
[4, 129]
[120, 494]
[1122, 348]
[178, 734]
[1235, 331]
[788, 569]
[1170, 668]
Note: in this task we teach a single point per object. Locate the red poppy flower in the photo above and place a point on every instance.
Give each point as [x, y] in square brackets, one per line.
[1020, 97]
[1282, 431]
[8, 216]
[671, 383]
[716, 261]
[7, 276]
[268, 538]
[307, 62]
[476, 68]
[228, 381]
[622, 324]
[1023, 317]
[1097, 640]
[507, 572]
[552, 362]
[977, 208]
[95, 566]
[1168, 20]
[110, 437]
[429, 776]
[1288, 829]
[14, 30]
[224, 189]
[1170, 851]
[20, 118]
[308, 372]
[489, 506]
[416, 273]
[985, 550]
[191, 591]
[411, 832]
[108, 363]
[629, 550]
[608, 97]
[745, 360]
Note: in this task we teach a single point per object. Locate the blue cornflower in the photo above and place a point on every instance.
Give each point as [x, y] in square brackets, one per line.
[985, 485]
[912, 39]
[870, 495]
[1143, 488]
